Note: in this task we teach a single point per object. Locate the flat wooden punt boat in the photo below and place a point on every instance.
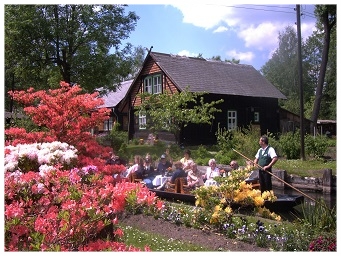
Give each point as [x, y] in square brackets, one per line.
[284, 203]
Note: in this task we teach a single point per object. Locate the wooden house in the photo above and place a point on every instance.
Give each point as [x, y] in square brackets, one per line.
[249, 99]
[118, 113]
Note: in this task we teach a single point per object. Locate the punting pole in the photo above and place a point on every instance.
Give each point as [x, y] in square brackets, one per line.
[286, 183]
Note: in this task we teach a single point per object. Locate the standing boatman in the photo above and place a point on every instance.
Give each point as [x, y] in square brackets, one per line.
[266, 157]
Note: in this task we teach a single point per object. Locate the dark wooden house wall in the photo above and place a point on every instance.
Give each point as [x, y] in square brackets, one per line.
[245, 107]
[290, 122]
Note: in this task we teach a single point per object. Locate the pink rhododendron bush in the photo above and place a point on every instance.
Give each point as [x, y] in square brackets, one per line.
[59, 194]
[49, 208]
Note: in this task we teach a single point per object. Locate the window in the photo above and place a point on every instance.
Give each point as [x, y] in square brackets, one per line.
[108, 124]
[256, 117]
[148, 85]
[231, 120]
[142, 120]
[153, 84]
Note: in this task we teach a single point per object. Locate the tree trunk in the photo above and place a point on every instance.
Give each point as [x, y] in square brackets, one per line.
[319, 89]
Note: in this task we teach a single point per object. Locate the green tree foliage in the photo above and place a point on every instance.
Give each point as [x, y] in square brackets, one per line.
[318, 63]
[282, 71]
[218, 58]
[171, 112]
[81, 44]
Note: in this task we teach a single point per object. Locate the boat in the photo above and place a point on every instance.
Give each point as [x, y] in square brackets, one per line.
[284, 203]
[178, 193]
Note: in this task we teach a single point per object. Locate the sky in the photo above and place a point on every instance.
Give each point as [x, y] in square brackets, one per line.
[248, 33]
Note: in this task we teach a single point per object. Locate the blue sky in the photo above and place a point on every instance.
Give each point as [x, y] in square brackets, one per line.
[248, 33]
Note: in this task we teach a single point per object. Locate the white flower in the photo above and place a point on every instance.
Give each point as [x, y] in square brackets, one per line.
[44, 169]
[45, 154]
[40, 187]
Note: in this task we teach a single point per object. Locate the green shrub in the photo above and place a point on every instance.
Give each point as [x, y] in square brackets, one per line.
[225, 158]
[319, 216]
[290, 145]
[316, 146]
[117, 137]
[244, 140]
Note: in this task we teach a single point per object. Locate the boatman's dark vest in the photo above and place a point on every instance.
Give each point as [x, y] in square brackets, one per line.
[264, 159]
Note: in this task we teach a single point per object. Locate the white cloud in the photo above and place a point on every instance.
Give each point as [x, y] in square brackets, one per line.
[206, 16]
[252, 23]
[307, 29]
[220, 29]
[262, 36]
[242, 56]
[187, 53]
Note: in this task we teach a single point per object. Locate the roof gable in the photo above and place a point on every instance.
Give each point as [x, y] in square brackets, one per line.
[112, 99]
[215, 77]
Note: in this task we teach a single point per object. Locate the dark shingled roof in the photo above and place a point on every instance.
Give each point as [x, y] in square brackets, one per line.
[215, 77]
[113, 98]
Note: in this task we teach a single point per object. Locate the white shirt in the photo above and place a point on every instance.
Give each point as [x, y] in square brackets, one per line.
[210, 174]
[186, 163]
[271, 152]
[132, 169]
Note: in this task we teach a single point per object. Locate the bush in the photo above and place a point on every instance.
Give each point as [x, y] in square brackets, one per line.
[316, 146]
[290, 145]
[323, 243]
[241, 139]
[117, 137]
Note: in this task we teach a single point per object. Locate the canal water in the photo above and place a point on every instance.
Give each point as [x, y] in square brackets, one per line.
[329, 199]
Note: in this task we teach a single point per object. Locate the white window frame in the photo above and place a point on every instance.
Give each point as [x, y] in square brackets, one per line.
[148, 85]
[142, 120]
[153, 84]
[108, 124]
[157, 85]
[256, 117]
[231, 120]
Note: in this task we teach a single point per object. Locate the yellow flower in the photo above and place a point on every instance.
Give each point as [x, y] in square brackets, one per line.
[228, 210]
[259, 201]
[278, 218]
[214, 217]
[217, 208]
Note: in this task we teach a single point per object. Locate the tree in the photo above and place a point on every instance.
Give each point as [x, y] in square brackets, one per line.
[313, 52]
[172, 112]
[218, 58]
[326, 15]
[78, 44]
[67, 114]
[281, 71]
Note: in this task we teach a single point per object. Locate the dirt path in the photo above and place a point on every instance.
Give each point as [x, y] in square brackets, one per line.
[213, 241]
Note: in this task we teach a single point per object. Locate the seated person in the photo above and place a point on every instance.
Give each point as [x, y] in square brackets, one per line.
[234, 165]
[187, 161]
[149, 171]
[194, 177]
[115, 160]
[163, 166]
[168, 156]
[137, 168]
[211, 172]
[179, 172]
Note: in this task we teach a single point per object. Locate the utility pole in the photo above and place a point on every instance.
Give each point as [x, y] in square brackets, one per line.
[300, 80]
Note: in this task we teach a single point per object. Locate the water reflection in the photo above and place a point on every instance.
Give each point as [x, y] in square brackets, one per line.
[329, 199]
[296, 212]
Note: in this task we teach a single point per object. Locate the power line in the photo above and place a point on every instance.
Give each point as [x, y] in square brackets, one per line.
[257, 9]
[305, 13]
